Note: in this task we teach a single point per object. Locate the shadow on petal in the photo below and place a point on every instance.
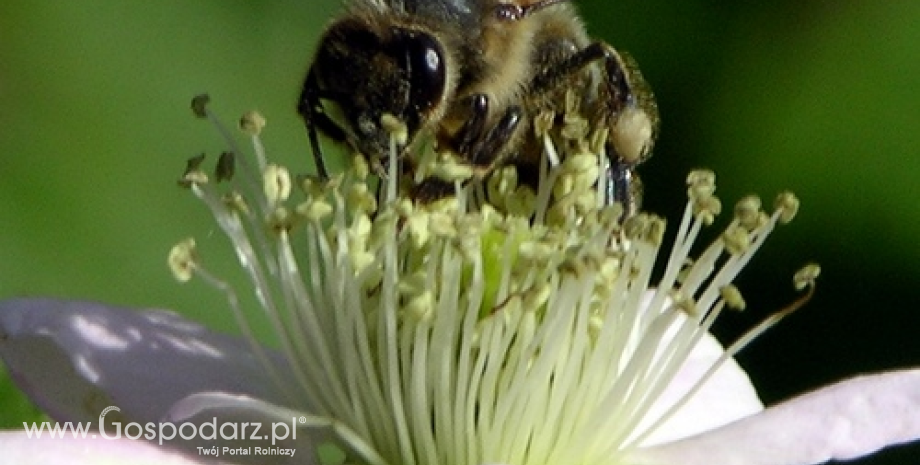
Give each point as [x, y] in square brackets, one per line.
[75, 358]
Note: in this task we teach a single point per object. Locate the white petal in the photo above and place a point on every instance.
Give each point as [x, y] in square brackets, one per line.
[20, 449]
[843, 421]
[725, 397]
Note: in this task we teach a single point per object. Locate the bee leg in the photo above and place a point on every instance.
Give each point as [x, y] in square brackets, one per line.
[494, 142]
[432, 189]
[629, 113]
[623, 186]
[632, 119]
[476, 143]
[483, 147]
[554, 76]
[315, 118]
[474, 126]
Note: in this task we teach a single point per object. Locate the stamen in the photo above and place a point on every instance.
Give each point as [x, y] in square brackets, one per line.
[787, 204]
[193, 173]
[277, 184]
[732, 297]
[252, 124]
[250, 181]
[182, 260]
[500, 324]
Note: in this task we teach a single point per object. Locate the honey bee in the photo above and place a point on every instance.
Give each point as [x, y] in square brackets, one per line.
[473, 74]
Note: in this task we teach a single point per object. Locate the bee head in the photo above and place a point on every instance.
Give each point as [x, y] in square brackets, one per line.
[367, 72]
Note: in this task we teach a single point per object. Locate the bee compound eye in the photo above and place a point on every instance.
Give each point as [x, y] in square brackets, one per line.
[426, 70]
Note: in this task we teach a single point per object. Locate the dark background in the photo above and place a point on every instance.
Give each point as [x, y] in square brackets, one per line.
[818, 97]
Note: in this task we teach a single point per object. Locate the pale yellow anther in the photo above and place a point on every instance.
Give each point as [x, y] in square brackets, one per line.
[595, 326]
[575, 266]
[685, 270]
[404, 207]
[702, 178]
[564, 185]
[236, 202]
[706, 209]
[580, 162]
[574, 127]
[788, 205]
[415, 283]
[701, 185]
[732, 297]
[683, 302]
[361, 199]
[737, 240]
[469, 225]
[502, 183]
[361, 227]
[537, 296]
[634, 227]
[385, 222]
[588, 177]
[522, 202]
[358, 236]
[396, 127]
[610, 215]
[421, 307]
[360, 166]
[609, 270]
[361, 259]
[252, 123]
[490, 216]
[655, 230]
[312, 186]
[334, 183]
[748, 213]
[535, 251]
[314, 210]
[417, 227]
[442, 225]
[447, 205]
[586, 201]
[806, 276]
[276, 183]
[452, 171]
[194, 177]
[181, 260]
[280, 219]
[700, 191]
[543, 122]
[559, 214]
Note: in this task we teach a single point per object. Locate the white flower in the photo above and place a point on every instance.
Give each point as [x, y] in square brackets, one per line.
[501, 325]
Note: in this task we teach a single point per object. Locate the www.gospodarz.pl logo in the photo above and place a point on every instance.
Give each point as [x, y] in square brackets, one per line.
[208, 430]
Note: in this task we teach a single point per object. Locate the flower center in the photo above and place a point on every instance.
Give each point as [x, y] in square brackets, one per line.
[507, 323]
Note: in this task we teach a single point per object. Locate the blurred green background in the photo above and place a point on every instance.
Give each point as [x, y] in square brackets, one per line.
[819, 97]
